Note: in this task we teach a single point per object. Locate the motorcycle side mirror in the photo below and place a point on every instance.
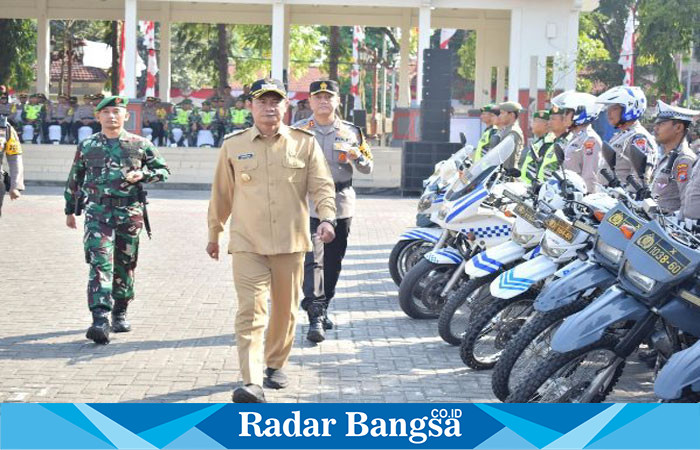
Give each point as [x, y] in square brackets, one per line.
[513, 172]
[638, 160]
[462, 139]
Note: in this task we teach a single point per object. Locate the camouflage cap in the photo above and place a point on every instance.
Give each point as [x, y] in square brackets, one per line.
[112, 100]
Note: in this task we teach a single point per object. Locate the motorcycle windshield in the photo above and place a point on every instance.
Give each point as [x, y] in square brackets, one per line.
[460, 188]
[493, 158]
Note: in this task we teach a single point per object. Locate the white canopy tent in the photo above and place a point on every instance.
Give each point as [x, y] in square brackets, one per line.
[513, 36]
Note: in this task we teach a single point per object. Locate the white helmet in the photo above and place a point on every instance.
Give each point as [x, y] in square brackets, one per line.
[584, 106]
[631, 98]
[551, 192]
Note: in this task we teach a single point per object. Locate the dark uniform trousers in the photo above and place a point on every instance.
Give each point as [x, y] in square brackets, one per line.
[333, 254]
[158, 131]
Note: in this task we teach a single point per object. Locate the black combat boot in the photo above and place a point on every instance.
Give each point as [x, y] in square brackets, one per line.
[119, 322]
[316, 332]
[327, 323]
[99, 330]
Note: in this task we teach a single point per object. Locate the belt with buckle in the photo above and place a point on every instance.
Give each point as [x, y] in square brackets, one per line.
[341, 186]
[114, 201]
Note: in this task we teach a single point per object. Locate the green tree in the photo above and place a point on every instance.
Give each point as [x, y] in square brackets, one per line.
[17, 53]
[199, 54]
[666, 28]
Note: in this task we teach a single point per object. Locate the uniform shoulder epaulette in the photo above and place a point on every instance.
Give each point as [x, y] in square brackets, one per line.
[305, 131]
[235, 133]
[352, 125]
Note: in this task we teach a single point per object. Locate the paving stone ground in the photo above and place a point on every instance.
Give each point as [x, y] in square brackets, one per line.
[182, 348]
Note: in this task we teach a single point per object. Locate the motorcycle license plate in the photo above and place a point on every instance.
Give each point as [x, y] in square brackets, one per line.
[526, 213]
[561, 228]
[663, 252]
[619, 218]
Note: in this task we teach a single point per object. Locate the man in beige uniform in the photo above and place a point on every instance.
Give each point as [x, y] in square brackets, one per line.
[508, 126]
[263, 176]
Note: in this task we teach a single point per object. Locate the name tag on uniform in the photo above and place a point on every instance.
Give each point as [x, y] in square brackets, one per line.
[245, 156]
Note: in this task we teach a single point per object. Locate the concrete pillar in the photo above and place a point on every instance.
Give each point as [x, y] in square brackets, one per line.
[164, 82]
[285, 45]
[500, 83]
[277, 40]
[43, 50]
[514, 69]
[404, 73]
[569, 81]
[534, 83]
[423, 43]
[482, 71]
[130, 22]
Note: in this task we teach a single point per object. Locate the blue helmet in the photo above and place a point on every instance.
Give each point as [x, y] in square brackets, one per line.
[630, 98]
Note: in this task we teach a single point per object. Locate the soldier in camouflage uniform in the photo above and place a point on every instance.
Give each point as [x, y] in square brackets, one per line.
[107, 169]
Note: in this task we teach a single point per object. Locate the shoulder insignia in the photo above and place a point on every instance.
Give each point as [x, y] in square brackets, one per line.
[641, 142]
[303, 130]
[235, 133]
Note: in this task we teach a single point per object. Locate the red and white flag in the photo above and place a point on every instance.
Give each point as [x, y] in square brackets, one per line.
[627, 51]
[149, 31]
[358, 36]
[445, 36]
[122, 84]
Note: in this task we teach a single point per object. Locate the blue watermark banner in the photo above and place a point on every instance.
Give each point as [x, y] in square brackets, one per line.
[343, 426]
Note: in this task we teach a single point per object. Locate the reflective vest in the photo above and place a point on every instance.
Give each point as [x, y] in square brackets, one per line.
[483, 142]
[182, 116]
[532, 169]
[207, 117]
[239, 116]
[32, 111]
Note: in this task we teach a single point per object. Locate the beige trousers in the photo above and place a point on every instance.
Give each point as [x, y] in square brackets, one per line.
[257, 278]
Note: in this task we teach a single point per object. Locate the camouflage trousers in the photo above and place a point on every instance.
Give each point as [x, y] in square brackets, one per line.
[112, 253]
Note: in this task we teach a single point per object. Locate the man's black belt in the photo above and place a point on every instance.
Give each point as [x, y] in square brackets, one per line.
[114, 201]
[341, 186]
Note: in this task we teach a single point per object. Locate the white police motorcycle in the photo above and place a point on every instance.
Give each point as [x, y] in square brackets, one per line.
[471, 218]
[414, 243]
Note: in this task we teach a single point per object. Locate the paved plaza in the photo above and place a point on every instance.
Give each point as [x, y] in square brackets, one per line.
[182, 348]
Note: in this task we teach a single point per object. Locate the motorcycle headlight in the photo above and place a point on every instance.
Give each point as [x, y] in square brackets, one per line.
[551, 250]
[609, 252]
[641, 281]
[425, 202]
[522, 239]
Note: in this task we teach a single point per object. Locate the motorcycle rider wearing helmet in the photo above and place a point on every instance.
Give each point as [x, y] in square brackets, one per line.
[582, 153]
[633, 149]
[489, 114]
[675, 188]
[508, 126]
[534, 157]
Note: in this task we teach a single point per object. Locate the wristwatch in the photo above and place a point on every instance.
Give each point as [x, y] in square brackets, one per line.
[333, 222]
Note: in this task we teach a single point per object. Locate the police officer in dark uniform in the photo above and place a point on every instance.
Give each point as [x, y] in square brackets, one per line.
[346, 150]
[153, 121]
